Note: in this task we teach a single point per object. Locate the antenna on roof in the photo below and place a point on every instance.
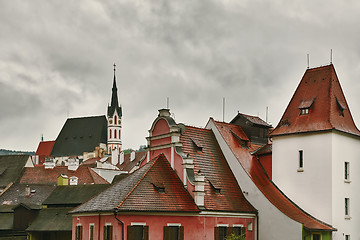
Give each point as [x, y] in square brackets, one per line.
[167, 103]
[330, 56]
[308, 60]
[42, 137]
[223, 109]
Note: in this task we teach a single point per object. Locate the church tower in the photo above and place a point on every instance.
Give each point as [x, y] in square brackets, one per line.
[114, 114]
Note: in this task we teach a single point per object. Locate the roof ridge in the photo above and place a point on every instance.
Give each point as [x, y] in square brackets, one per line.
[86, 117]
[138, 182]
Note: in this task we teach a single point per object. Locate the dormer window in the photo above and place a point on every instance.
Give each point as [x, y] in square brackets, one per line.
[341, 107]
[305, 106]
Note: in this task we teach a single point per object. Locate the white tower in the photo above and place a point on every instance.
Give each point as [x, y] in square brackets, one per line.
[114, 115]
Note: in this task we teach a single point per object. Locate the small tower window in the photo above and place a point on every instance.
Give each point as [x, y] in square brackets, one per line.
[115, 120]
[347, 171]
[115, 133]
[119, 133]
[347, 207]
[110, 133]
[301, 161]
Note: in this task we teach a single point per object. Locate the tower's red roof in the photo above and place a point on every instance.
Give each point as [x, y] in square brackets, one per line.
[320, 92]
[45, 148]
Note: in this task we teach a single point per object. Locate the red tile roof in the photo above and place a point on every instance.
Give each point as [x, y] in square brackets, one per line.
[40, 175]
[255, 171]
[319, 91]
[45, 148]
[128, 165]
[212, 163]
[138, 192]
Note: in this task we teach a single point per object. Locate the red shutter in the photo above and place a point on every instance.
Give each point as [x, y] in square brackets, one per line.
[181, 233]
[105, 233]
[216, 231]
[110, 232]
[166, 233]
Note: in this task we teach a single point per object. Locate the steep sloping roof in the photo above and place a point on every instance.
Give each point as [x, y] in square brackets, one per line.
[80, 135]
[212, 163]
[74, 195]
[40, 175]
[128, 165]
[114, 101]
[319, 91]
[138, 192]
[11, 167]
[253, 119]
[52, 219]
[255, 171]
[45, 148]
[16, 195]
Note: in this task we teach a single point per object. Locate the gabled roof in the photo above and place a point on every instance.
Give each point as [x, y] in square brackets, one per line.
[222, 192]
[253, 119]
[52, 219]
[40, 175]
[256, 172]
[80, 135]
[15, 195]
[74, 194]
[45, 148]
[319, 91]
[137, 192]
[11, 167]
[128, 165]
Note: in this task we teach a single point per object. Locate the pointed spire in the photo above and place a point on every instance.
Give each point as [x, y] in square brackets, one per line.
[114, 98]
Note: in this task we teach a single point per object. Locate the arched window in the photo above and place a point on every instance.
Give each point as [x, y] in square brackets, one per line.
[115, 120]
[114, 133]
[110, 133]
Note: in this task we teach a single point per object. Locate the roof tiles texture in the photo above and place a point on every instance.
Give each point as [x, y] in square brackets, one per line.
[11, 167]
[138, 192]
[255, 171]
[40, 175]
[128, 165]
[52, 219]
[319, 90]
[212, 163]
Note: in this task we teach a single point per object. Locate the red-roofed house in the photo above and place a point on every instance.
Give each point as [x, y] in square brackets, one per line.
[44, 150]
[316, 149]
[279, 217]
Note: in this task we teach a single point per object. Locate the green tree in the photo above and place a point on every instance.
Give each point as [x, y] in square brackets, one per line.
[234, 236]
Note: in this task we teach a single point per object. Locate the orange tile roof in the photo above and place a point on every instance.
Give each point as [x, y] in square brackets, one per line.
[256, 172]
[40, 175]
[212, 163]
[319, 91]
[45, 148]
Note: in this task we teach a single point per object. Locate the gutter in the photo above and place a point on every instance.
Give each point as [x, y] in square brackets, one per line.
[122, 224]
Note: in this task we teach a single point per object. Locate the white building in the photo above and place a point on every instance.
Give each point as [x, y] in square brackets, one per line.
[316, 153]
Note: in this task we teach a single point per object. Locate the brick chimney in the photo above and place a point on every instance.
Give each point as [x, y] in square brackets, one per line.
[27, 191]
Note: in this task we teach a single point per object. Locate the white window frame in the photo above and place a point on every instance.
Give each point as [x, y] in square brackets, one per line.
[347, 172]
[301, 161]
[347, 208]
[173, 224]
[91, 224]
[138, 224]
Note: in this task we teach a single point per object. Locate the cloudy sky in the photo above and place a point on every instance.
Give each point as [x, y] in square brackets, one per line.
[56, 60]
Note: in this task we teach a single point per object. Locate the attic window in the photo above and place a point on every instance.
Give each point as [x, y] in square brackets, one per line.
[284, 123]
[341, 107]
[198, 145]
[217, 190]
[305, 105]
[159, 187]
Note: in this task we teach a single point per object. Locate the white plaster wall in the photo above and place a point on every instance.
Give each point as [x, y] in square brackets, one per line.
[346, 148]
[311, 189]
[273, 224]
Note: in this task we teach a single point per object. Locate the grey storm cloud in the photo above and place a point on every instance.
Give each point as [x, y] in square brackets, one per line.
[56, 60]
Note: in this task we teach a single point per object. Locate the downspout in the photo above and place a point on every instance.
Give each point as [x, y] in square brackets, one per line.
[99, 228]
[122, 224]
[257, 226]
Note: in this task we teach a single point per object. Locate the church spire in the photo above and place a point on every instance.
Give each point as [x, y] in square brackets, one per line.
[114, 99]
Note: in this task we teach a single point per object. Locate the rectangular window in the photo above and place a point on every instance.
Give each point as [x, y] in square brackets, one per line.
[347, 207]
[301, 159]
[108, 232]
[137, 232]
[347, 171]
[91, 231]
[316, 236]
[347, 237]
[221, 232]
[173, 232]
[78, 232]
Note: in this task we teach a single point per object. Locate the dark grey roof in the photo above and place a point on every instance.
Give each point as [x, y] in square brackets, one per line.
[52, 219]
[253, 119]
[73, 195]
[114, 101]
[80, 135]
[15, 195]
[6, 221]
[111, 197]
[11, 167]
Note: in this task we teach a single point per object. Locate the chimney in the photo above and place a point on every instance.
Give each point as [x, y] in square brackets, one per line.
[115, 157]
[199, 192]
[27, 191]
[132, 156]
[73, 180]
[122, 158]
